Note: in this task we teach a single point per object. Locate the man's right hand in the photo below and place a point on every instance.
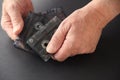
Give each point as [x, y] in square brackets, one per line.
[13, 12]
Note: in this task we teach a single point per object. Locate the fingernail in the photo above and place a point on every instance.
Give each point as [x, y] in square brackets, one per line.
[15, 30]
[50, 48]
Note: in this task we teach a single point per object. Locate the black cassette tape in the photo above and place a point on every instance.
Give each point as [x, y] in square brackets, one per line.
[38, 30]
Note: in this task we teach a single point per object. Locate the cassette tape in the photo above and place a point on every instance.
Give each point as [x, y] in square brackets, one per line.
[38, 42]
[38, 30]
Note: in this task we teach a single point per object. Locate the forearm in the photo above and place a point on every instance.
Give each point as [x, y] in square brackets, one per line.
[105, 10]
[113, 4]
[109, 8]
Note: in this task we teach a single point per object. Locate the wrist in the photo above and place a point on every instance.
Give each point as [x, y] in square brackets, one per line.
[112, 4]
[106, 10]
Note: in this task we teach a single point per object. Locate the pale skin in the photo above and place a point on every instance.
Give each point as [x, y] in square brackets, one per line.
[78, 34]
[12, 13]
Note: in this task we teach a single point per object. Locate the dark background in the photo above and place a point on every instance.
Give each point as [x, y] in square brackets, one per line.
[104, 64]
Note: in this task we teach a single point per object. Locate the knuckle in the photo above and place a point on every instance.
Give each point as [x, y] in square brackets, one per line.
[18, 23]
[75, 49]
[86, 50]
[59, 60]
[74, 52]
[11, 6]
[83, 51]
[63, 23]
[72, 46]
[73, 20]
[2, 25]
[92, 50]
[77, 11]
[56, 39]
[65, 26]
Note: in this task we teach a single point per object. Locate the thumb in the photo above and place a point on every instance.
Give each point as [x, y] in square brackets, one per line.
[16, 19]
[58, 38]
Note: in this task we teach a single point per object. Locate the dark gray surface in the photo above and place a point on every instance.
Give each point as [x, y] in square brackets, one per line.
[104, 64]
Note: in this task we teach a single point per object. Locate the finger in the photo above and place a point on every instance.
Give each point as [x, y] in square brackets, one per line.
[69, 47]
[6, 24]
[58, 38]
[29, 9]
[30, 6]
[10, 33]
[16, 19]
[64, 52]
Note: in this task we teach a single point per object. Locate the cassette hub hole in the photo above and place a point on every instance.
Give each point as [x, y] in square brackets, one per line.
[44, 43]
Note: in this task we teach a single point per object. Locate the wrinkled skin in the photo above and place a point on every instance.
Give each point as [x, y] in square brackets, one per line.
[12, 13]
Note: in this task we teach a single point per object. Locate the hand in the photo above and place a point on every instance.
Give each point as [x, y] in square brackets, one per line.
[13, 12]
[79, 33]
